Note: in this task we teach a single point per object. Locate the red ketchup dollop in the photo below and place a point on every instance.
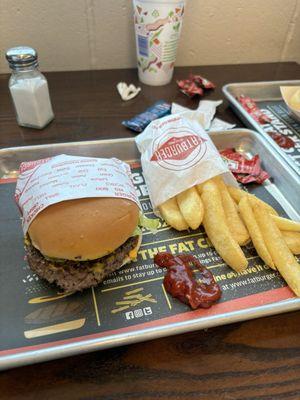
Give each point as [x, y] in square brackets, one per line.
[181, 283]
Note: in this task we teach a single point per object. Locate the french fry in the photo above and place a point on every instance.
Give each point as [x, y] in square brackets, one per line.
[292, 239]
[255, 233]
[238, 194]
[216, 228]
[199, 187]
[235, 223]
[191, 207]
[283, 258]
[285, 224]
[172, 215]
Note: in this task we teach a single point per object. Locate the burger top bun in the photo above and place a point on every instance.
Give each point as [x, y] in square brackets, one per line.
[83, 229]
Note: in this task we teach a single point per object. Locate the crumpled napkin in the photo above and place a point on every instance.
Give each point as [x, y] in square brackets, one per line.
[204, 114]
[127, 92]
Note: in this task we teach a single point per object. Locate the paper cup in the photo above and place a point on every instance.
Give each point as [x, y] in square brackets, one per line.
[157, 30]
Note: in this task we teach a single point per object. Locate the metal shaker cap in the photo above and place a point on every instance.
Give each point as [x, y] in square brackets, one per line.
[21, 57]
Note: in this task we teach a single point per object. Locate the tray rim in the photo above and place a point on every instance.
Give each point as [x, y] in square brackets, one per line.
[89, 345]
[168, 329]
[251, 122]
[262, 138]
[61, 144]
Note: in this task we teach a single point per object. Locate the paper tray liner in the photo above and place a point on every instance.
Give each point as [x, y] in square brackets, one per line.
[282, 122]
[34, 315]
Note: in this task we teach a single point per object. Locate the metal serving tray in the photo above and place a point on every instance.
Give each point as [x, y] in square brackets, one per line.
[37, 323]
[269, 99]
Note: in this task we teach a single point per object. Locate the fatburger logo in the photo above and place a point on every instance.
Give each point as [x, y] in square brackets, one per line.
[25, 166]
[178, 149]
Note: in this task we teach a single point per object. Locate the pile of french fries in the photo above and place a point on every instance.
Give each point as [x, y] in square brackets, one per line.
[232, 218]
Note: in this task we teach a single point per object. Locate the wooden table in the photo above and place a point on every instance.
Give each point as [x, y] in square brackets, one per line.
[258, 359]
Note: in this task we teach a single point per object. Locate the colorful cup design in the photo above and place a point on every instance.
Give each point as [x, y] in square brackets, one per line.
[157, 28]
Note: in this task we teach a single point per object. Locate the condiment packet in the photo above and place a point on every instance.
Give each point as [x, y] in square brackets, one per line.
[291, 97]
[176, 154]
[139, 122]
[203, 114]
[48, 181]
[251, 107]
[245, 170]
[241, 164]
[244, 179]
[283, 141]
[194, 85]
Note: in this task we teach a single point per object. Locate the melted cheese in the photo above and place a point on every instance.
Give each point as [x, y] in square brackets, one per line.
[98, 267]
[133, 254]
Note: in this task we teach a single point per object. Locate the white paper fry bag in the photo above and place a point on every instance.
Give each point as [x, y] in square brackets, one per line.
[176, 154]
[45, 182]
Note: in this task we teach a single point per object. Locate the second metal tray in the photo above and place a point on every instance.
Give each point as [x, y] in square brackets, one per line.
[268, 97]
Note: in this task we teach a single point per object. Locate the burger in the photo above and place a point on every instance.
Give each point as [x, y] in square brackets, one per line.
[77, 243]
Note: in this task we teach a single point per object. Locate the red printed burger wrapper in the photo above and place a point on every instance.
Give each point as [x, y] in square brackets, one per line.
[48, 181]
[177, 154]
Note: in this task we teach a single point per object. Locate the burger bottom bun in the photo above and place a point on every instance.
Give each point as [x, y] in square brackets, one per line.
[74, 276]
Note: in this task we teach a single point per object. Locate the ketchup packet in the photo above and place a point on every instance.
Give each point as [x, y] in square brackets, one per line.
[177, 154]
[283, 141]
[42, 183]
[242, 165]
[244, 170]
[251, 178]
[251, 107]
[194, 85]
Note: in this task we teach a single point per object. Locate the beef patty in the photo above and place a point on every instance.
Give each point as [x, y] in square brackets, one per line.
[77, 275]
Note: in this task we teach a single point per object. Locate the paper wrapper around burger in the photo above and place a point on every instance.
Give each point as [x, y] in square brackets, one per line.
[176, 154]
[45, 182]
[291, 97]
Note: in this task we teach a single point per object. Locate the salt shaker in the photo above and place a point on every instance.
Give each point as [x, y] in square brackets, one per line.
[29, 88]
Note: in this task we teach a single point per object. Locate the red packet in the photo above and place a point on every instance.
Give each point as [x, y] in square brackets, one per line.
[244, 170]
[195, 84]
[251, 107]
[244, 179]
[242, 164]
[283, 141]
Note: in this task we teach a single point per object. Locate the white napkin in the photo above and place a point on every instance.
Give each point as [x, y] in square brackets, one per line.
[127, 92]
[204, 114]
